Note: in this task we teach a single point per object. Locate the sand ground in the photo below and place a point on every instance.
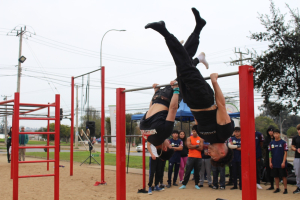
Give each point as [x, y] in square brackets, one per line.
[80, 185]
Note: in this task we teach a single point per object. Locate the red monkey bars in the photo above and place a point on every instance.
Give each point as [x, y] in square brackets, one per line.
[16, 147]
[247, 134]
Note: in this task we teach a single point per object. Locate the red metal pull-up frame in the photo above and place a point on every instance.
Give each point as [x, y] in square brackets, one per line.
[16, 147]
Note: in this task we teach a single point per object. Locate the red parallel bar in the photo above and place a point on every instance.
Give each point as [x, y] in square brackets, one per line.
[37, 105]
[5, 102]
[144, 163]
[15, 146]
[102, 122]
[247, 132]
[34, 176]
[37, 161]
[56, 156]
[72, 126]
[36, 147]
[37, 133]
[36, 118]
[22, 113]
[120, 148]
[48, 137]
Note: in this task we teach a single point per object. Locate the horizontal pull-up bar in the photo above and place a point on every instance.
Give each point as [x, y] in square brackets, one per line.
[125, 136]
[205, 78]
[87, 73]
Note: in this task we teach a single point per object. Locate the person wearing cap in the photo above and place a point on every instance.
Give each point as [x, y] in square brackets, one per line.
[268, 139]
[235, 144]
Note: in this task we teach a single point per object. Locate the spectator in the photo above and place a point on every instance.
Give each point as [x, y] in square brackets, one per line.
[8, 144]
[296, 148]
[277, 159]
[154, 168]
[205, 166]
[266, 143]
[23, 140]
[216, 171]
[174, 162]
[195, 145]
[235, 144]
[259, 139]
[183, 155]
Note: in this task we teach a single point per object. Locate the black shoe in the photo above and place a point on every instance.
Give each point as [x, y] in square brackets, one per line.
[209, 186]
[297, 191]
[175, 184]
[271, 188]
[168, 186]
[277, 190]
[233, 188]
[8, 161]
[229, 183]
[222, 188]
[215, 187]
[200, 185]
[285, 191]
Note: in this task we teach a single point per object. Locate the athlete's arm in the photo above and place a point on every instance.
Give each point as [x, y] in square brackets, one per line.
[222, 116]
[189, 144]
[173, 105]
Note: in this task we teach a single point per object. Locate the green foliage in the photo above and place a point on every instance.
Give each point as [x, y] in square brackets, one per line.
[64, 131]
[262, 123]
[277, 69]
[292, 131]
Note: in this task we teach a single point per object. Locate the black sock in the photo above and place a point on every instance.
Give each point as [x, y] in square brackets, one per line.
[200, 23]
[159, 27]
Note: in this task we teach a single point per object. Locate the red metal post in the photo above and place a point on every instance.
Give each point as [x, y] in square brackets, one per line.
[48, 137]
[12, 149]
[72, 127]
[144, 163]
[57, 138]
[102, 122]
[121, 148]
[15, 147]
[247, 132]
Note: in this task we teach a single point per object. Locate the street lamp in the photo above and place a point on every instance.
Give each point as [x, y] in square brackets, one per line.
[102, 41]
[281, 128]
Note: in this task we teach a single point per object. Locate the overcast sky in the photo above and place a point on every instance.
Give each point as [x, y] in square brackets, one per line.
[68, 36]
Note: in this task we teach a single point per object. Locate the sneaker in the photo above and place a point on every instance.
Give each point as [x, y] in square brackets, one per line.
[258, 186]
[215, 187]
[200, 185]
[222, 188]
[180, 182]
[197, 187]
[285, 191]
[209, 186]
[271, 188]
[175, 184]
[233, 188]
[150, 191]
[162, 187]
[202, 59]
[156, 188]
[182, 187]
[168, 186]
[277, 190]
[297, 191]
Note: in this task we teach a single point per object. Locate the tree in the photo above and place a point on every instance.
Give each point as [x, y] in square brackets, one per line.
[64, 131]
[277, 69]
[292, 131]
[262, 123]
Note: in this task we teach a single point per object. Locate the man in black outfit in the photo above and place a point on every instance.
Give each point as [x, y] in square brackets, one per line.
[266, 143]
[215, 125]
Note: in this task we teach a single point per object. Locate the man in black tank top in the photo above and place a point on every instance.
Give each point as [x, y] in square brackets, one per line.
[198, 95]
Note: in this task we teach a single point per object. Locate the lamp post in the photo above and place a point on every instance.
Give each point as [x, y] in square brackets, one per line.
[281, 128]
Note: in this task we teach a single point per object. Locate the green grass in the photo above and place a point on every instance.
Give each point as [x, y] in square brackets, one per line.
[34, 142]
[110, 159]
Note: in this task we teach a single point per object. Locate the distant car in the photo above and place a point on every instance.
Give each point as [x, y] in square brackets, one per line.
[99, 140]
[140, 148]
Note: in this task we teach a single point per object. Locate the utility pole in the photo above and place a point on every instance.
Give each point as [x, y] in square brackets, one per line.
[76, 128]
[241, 59]
[20, 32]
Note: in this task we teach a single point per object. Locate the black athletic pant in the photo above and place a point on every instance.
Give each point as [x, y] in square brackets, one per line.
[270, 178]
[258, 170]
[154, 170]
[190, 80]
[230, 173]
[173, 165]
[236, 168]
[162, 171]
[192, 163]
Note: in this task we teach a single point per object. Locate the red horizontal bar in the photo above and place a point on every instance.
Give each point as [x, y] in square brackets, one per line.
[32, 176]
[5, 102]
[36, 161]
[36, 132]
[36, 118]
[37, 105]
[35, 147]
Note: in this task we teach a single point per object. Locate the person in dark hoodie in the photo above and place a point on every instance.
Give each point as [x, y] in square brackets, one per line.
[8, 144]
[268, 139]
